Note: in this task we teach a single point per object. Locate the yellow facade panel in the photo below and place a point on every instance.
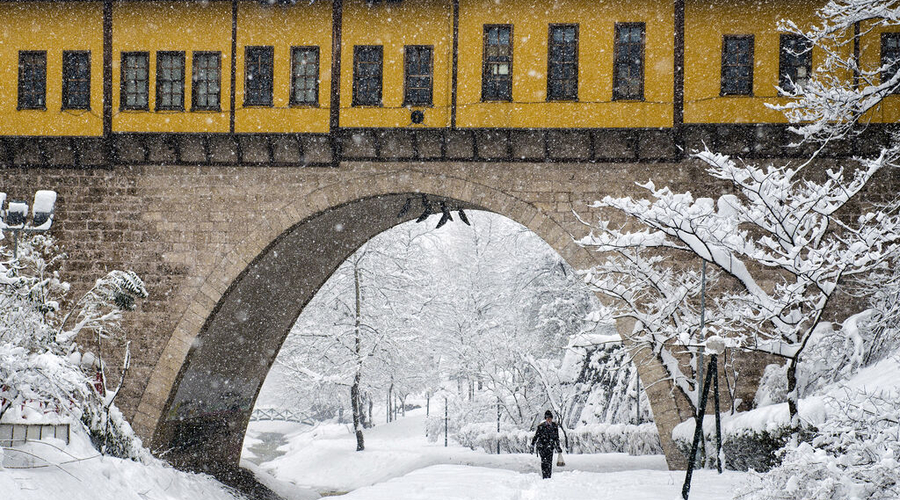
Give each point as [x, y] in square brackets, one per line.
[706, 23]
[394, 25]
[282, 27]
[596, 28]
[54, 28]
[888, 110]
[171, 26]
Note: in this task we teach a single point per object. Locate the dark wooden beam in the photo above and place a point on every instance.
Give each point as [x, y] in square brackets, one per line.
[678, 74]
[233, 100]
[107, 80]
[337, 15]
[455, 73]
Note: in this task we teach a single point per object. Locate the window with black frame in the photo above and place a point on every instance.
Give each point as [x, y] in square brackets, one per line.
[304, 76]
[169, 81]
[737, 65]
[496, 74]
[418, 81]
[258, 86]
[206, 77]
[562, 62]
[367, 68]
[135, 85]
[628, 65]
[76, 79]
[890, 57]
[32, 79]
[795, 62]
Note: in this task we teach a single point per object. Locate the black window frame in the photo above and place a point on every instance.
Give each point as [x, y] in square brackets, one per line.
[886, 60]
[414, 83]
[177, 104]
[32, 80]
[143, 89]
[494, 86]
[76, 80]
[730, 84]
[196, 83]
[619, 60]
[259, 75]
[360, 81]
[553, 92]
[790, 59]
[297, 78]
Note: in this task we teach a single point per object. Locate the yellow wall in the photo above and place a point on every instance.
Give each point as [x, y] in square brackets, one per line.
[395, 25]
[596, 22]
[888, 111]
[705, 24]
[195, 26]
[49, 27]
[283, 27]
[177, 26]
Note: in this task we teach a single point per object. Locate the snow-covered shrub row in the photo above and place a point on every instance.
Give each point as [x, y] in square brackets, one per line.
[854, 454]
[45, 378]
[597, 438]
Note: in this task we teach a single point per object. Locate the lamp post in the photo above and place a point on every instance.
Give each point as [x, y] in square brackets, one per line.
[14, 216]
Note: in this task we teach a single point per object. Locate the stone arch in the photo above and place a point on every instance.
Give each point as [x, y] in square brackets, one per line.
[199, 396]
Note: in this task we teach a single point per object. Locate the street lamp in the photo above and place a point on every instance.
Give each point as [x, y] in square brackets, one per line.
[14, 217]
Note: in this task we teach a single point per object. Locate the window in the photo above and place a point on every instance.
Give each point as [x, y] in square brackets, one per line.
[890, 55]
[205, 80]
[496, 74]
[305, 76]
[737, 65]
[367, 75]
[258, 89]
[795, 63]
[562, 62]
[33, 79]
[628, 70]
[76, 80]
[417, 65]
[135, 80]
[170, 81]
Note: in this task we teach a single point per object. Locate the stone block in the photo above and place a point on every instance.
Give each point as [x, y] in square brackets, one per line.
[492, 144]
[285, 149]
[5, 149]
[27, 153]
[657, 144]
[59, 151]
[460, 144]
[316, 149]
[90, 152]
[358, 144]
[191, 148]
[527, 144]
[614, 144]
[569, 144]
[254, 148]
[128, 148]
[735, 140]
[160, 150]
[429, 144]
[396, 144]
[768, 140]
[222, 149]
[698, 138]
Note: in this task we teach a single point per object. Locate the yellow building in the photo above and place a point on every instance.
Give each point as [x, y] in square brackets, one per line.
[218, 67]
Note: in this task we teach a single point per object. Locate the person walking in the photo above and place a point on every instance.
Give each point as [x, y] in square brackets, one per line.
[546, 441]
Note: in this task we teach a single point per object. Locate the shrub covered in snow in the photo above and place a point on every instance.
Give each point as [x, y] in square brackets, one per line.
[45, 378]
[854, 454]
[598, 438]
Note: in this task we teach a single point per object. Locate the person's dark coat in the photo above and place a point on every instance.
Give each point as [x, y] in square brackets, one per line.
[546, 441]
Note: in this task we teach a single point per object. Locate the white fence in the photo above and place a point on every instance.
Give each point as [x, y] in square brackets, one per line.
[261, 414]
[18, 434]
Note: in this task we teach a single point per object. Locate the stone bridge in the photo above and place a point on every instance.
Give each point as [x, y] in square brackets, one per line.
[233, 243]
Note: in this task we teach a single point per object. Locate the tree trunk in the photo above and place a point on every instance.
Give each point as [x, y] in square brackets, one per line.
[793, 398]
[389, 395]
[354, 389]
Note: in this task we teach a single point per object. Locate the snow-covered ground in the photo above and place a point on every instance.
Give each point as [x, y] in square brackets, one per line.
[50, 470]
[400, 463]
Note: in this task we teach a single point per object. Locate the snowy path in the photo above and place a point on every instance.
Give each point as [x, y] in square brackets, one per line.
[399, 463]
